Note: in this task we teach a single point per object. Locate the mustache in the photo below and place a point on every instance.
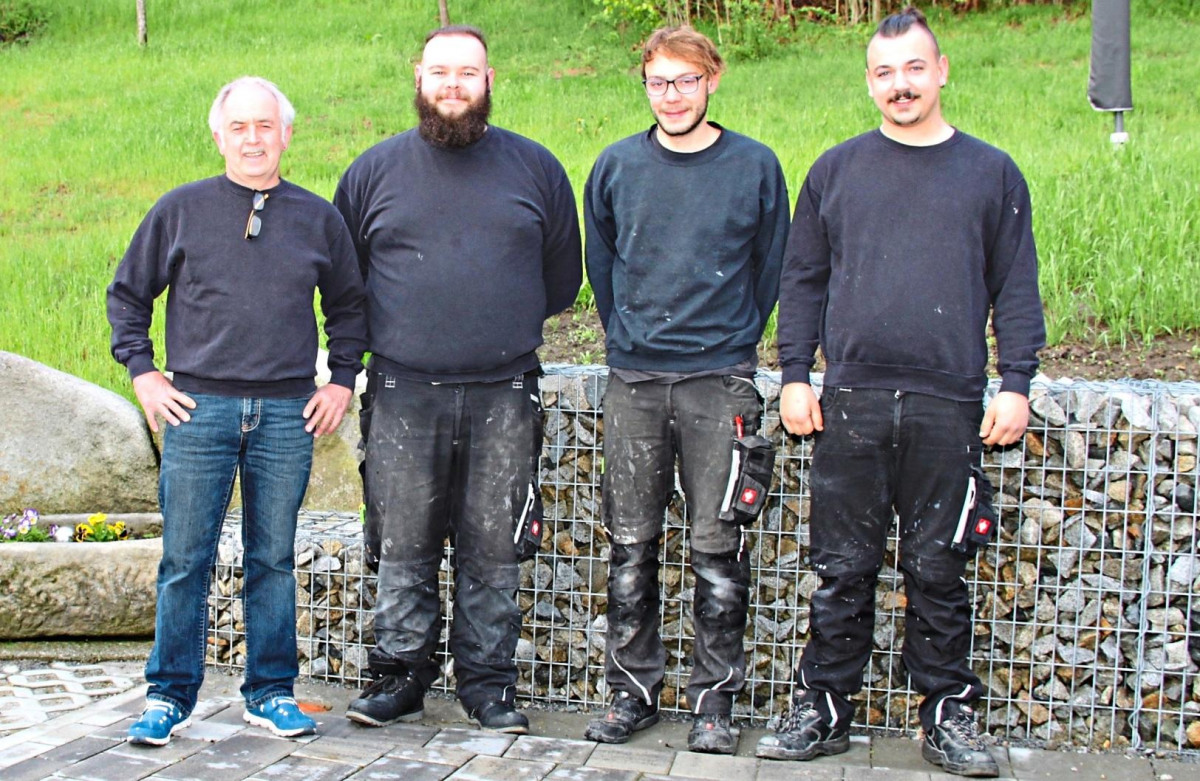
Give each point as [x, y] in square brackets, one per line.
[903, 95]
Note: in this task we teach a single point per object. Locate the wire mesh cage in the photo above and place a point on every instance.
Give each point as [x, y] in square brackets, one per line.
[1087, 606]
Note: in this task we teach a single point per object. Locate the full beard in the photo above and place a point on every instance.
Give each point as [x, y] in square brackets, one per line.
[452, 132]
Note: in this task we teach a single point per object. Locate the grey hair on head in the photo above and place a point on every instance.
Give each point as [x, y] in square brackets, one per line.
[287, 114]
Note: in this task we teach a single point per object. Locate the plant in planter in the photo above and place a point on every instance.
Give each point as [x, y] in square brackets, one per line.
[22, 527]
[40, 584]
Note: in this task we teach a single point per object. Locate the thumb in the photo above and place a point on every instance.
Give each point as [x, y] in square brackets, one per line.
[989, 420]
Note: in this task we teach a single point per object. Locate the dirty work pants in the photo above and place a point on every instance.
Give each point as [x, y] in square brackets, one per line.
[647, 427]
[263, 441]
[886, 453]
[449, 460]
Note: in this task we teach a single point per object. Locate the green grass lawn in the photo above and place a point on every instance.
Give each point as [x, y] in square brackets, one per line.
[94, 129]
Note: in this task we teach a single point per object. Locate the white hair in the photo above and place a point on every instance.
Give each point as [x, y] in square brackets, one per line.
[287, 114]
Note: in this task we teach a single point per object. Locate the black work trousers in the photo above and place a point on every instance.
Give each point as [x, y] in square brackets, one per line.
[453, 460]
[647, 427]
[885, 454]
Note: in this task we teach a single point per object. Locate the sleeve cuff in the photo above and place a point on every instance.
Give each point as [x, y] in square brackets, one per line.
[140, 364]
[343, 376]
[796, 372]
[1015, 382]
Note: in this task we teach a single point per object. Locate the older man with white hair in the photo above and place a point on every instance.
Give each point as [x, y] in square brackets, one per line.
[242, 254]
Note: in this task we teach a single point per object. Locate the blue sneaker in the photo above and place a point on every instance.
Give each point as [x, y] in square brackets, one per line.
[282, 716]
[158, 722]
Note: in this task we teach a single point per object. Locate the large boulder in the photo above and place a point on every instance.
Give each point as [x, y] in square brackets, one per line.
[68, 446]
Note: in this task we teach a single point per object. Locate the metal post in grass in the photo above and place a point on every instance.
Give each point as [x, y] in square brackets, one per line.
[1109, 87]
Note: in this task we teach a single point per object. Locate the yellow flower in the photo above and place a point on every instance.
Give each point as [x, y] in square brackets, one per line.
[83, 532]
[95, 518]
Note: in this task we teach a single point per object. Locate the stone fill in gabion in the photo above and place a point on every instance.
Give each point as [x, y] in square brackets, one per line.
[1087, 627]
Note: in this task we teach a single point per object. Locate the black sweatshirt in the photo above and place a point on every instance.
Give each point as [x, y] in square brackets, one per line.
[240, 318]
[465, 253]
[684, 250]
[896, 255]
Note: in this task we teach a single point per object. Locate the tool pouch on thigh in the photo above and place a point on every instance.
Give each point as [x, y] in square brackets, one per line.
[978, 520]
[749, 479]
[527, 532]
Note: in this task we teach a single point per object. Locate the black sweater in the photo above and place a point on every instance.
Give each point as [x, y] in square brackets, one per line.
[684, 250]
[465, 253]
[896, 255]
[239, 316]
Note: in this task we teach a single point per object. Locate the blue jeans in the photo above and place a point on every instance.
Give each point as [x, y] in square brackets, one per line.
[264, 441]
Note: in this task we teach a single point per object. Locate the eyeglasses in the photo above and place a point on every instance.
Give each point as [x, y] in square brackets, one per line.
[254, 222]
[684, 85]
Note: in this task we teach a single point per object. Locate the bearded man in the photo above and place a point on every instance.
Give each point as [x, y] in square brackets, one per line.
[468, 239]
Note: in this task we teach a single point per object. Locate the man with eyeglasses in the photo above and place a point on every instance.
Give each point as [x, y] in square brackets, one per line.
[905, 240]
[685, 228]
[468, 238]
[242, 254]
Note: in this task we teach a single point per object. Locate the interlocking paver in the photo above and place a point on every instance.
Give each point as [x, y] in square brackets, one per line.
[437, 755]
[771, 770]
[1030, 764]
[620, 757]
[108, 766]
[77, 750]
[235, 758]
[713, 766]
[297, 768]
[476, 741]
[557, 750]
[490, 768]
[354, 751]
[398, 769]
[1178, 771]
[884, 774]
[213, 731]
[33, 769]
[391, 735]
[584, 773]
[11, 755]
[180, 747]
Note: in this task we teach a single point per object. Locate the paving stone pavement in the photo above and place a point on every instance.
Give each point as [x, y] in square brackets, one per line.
[88, 744]
[37, 694]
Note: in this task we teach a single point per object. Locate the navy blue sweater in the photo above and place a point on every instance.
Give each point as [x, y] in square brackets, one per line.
[897, 255]
[684, 250]
[239, 317]
[465, 253]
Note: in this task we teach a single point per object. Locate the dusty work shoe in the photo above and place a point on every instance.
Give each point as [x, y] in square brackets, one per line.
[389, 699]
[499, 716]
[712, 733]
[624, 717]
[954, 745]
[158, 722]
[281, 715]
[803, 734]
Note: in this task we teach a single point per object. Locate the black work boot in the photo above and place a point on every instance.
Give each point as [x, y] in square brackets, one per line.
[712, 733]
[803, 734]
[954, 745]
[499, 716]
[624, 717]
[388, 699]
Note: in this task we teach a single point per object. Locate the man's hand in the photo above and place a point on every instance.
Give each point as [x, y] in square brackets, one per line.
[158, 396]
[326, 408]
[1005, 420]
[799, 409]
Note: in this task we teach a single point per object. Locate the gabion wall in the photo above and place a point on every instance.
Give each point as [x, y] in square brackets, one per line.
[1087, 626]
